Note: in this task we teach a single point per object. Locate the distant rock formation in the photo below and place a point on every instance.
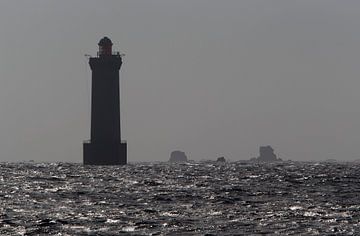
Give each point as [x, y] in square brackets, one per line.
[178, 156]
[221, 159]
[266, 155]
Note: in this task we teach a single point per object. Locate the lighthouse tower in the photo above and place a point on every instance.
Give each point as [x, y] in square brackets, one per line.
[105, 146]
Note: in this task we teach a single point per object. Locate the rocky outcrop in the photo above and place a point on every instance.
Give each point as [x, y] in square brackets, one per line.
[178, 156]
[221, 159]
[266, 154]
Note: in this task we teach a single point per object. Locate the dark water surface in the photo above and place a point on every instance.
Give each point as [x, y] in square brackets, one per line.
[180, 199]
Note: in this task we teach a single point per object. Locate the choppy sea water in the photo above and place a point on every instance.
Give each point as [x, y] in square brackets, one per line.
[288, 198]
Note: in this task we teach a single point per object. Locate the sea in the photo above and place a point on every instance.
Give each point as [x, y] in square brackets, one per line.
[197, 198]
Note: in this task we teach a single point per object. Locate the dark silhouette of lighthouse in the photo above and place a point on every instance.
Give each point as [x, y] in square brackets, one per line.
[105, 146]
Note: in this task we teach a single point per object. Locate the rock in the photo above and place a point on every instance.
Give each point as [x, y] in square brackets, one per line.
[221, 159]
[178, 156]
[266, 155]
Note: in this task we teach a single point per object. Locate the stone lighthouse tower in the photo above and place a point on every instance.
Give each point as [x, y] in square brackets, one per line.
[105, 146]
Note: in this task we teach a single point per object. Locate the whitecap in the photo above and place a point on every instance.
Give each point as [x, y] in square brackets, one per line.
[294, 208]
[128, 229]
[111, 221]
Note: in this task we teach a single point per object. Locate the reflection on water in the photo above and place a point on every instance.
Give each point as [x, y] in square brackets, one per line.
[287, 198]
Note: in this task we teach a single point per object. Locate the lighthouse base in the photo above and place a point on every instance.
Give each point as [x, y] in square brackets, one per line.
[105, 153]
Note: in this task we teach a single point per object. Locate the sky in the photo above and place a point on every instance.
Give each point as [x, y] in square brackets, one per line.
[207, 77]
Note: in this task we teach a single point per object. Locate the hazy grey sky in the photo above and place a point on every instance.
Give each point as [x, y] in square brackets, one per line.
[208, 77]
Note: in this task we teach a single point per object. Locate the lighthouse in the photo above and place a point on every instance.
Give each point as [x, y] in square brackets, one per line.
[105, 146]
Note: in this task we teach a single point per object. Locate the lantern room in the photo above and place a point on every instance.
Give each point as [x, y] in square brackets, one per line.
[105, 47]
